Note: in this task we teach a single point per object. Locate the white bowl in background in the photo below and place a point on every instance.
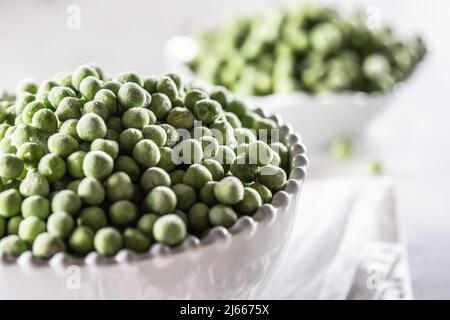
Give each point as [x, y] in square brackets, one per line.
[227, 264]
[320, 118]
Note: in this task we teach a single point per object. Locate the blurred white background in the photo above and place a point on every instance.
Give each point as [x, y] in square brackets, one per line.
[412, 139]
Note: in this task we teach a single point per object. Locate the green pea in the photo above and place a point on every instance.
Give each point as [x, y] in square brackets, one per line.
[135, 240]
[92, 217]
[52, 167]
[146, 153]
[199, 217]
[10, 202]
[68, 108]
[170, 230]
[108, 99]
[119, 187]
[91, 191]
[60, 224]
[129, 138]
[192, 97]
[215, 168]
[251, 202]
[23, 134]
[13, 245]
[57, 94]
[206, 194]
[123, 212]
[196, 176]
[46, 245]
[62, 145]
[36, 206]
[172, 134]
[10, 166]
[155, 133]
[75, 164]
[229, 190]
[264, 192]
[91, 127]
[161, 200]
[130, 76]
[69, 127]
[22, 100]
[108, 146]
[98, 164]
[243, 170]
[176, 176]
[66, 200]
[168, 87]
[35, 183]
[160, 105]
[258, 153]
[186, 196]
[207, 110]
[112, 85]
[81, 73]
[179, 117]
[129, 166]
[89, 86]
[189, 151]
[154, 177]
[150, 84]
[135, 118]
[146, 223]
[97, 108]
[30, 228]
[222, 215]
[131, 95]
[273, 177]
[81, 240]
[13, 225]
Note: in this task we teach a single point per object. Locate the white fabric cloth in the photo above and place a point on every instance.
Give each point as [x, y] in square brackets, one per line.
[347, 244]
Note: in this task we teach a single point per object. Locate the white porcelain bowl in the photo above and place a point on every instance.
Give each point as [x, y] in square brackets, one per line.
[227, 264]
[319, 118]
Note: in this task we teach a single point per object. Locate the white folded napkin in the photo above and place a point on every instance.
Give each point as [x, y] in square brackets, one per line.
[346, 244]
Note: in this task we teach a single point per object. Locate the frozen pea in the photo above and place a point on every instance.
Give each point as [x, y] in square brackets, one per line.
[62, 145]
[108, 241]
[63, 79]
[225, 156]
[108, 99]
[170, 230]
[176, 176]
[119, 187]
[130, 76]
[172, 134]
[135, 118]
[13, 245]
[30, 153]
[75, 164]
[244, 135]
[135, 240]
[273, 177]
[112, 135]
[10, 202]
[98, 164]
[207, 110]
[243, 170]
[91, 127]
[196, 176]
[81, 240]
[161, 200]
[215, 168]
[108, 146]
[52, 167]
[160, 105]
[10, 166]
[166, 161]
[13, 225]
[69, 127]
[199, 217]
[189, 151]
[192, 97]
[23, 134]
[45, 121]
[150, 84]
[167, 86]
[186, 196]
[92, 217]
[197, 132]
[283, 153]
[180, 117]
[233, 120]
[221, 95]
[27, 85]
[81, 73]
[258, 153]
[146, 223]
[222, 215]
[73, 185]
[60, 224]
[22, 100]
[206, 194]
[154, 177]
[264, 192]
[30, 109]
[112, 85]
[97, 108]
[210, 146]
[229, 190]
[91, 191]
[46, 245]
[30, 228]
[131, 95]
[129, 138]
[146, 153]
[89, 86]
[129, 166]
[155, 133]
[251, 202]
[2, 227]
[123, 212]
[66, 200]
[34, 183]
[68, 108]
[57, 94]
[36, 206]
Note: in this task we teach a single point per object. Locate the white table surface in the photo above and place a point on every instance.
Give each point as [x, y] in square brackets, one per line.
[412, 139]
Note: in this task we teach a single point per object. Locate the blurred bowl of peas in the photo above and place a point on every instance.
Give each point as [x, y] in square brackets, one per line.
[329, 73]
